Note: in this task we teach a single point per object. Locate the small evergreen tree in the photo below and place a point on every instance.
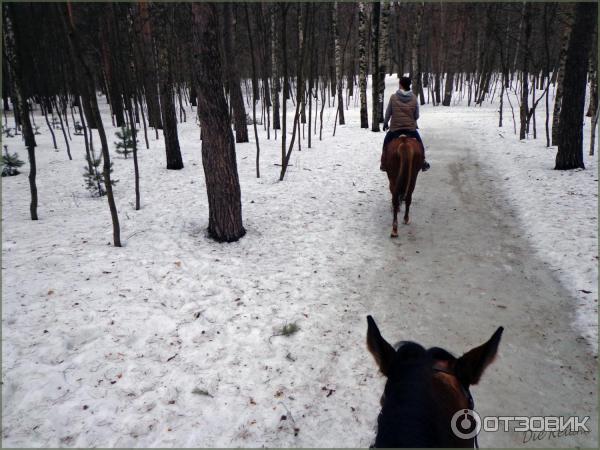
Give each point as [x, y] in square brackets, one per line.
[93, 176]
[10, 163]
[78, 129]
[8, 132]
[125, 144]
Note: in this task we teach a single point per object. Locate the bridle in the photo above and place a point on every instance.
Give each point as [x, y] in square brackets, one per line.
[465, 390]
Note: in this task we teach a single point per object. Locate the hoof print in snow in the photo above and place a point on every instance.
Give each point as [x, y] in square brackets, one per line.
[204, 392]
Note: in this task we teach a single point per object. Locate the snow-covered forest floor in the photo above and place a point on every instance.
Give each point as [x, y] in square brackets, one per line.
[175, 340]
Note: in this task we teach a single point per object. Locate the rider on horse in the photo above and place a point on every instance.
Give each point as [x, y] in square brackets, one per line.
[403, 109]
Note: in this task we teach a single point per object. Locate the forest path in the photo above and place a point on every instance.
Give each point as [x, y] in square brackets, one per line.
[134, 333]
[461, 269]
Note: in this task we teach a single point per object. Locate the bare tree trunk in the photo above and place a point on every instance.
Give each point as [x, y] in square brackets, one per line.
[163, 28]
[136, 170]
[146, 62]
[283, 9]
[218, 147]
[363, 64]
[13, 45]
[375, 65]
[415, 72]
[570, 136]
[561, 73]
[62, 127]
[383, 55]
[593, 75]
[338, 64]
[453, 62]
[524, 110]
[275, 68]
[593, 132]
[45, 112]
[299, 85]
[88, 94]
[233, 77]
[254, 91]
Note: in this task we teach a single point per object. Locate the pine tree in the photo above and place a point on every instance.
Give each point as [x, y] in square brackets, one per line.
[94, 177]
[10, 163]
[8, 132]
[78, 129]
[125, 145]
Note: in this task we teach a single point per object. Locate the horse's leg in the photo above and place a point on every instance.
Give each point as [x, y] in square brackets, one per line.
[395, 223]
[407, 201]
[396, 206]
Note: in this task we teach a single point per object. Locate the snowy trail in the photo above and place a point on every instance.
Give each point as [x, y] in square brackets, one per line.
[118, 347]
[463, 268]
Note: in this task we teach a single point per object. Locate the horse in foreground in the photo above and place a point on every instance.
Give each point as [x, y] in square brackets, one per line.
[427, 390]
[403, 160]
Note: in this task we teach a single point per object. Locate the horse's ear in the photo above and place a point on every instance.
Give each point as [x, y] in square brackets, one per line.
[379, 347]
[471, 365]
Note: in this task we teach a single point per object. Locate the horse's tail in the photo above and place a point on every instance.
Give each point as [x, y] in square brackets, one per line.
[404, 172]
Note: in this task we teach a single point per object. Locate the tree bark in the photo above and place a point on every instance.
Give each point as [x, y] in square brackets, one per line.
[233, 77]
[218, 147]
[415, 70]
[146, 63]
[593, 74]
[560, 76]
[570, 137]
[88, 93]
[375, 65]
[363, 64]
[254, 91]
[13, 45]
[383, 55]
[524, 109]
[338, 63]
[276, 84]
[452, 61]
[163, 27]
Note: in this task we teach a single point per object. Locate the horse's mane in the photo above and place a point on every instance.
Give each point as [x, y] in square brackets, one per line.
[406, 418]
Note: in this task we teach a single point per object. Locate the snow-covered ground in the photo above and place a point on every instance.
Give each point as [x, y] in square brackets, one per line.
[174, 340]
[557, 209]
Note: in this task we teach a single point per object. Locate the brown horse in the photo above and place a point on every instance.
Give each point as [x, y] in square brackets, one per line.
[427, 402]
[403, 160]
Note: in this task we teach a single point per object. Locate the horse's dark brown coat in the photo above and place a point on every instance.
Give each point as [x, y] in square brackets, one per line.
[424, 389]
[403, 158]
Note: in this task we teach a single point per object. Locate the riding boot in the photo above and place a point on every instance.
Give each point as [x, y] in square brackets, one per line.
[382, 165]
[426, 165]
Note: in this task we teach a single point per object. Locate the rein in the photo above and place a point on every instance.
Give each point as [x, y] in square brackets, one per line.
[465, 390]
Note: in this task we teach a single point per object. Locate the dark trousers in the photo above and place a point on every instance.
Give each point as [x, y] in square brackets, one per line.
[394, 134]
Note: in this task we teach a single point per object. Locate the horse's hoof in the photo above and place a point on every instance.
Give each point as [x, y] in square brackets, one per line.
[406, 221]
[394, 234]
